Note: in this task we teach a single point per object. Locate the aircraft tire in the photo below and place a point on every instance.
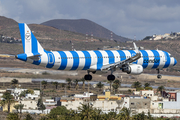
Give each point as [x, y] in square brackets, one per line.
[159, 76]
[88, 77]
[111, 77]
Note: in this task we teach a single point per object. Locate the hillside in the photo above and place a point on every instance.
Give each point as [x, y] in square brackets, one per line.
[83, 26]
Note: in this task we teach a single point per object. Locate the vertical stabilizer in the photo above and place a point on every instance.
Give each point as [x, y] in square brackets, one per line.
[30, 44]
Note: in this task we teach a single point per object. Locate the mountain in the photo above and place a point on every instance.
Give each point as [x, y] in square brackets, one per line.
[84, 26]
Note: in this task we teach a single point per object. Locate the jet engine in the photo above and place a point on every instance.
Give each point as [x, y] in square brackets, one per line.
[132, 69]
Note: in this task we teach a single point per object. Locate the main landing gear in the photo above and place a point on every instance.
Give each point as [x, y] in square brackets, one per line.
[88, 77]
[159, 76]
[111, 77]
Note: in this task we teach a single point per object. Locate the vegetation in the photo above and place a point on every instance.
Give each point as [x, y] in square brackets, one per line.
[8, 99]
[160, 89]
[100, 86]
[137, 85]
[13, 116]
[56, 84]
[44, 83]
[69, 81]
[14, 82]
[87, 112]
[116, 85]
[110, 81]
[76, 82]
[40, 105]
[83, 80]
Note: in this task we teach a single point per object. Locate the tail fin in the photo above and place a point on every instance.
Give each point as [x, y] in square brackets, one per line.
[30, 44]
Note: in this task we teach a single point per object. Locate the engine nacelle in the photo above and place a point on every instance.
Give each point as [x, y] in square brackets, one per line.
[133, 69]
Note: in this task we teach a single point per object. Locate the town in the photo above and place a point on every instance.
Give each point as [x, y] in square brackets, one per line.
[107, 97]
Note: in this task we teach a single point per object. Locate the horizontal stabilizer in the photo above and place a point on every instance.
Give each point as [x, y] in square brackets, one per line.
[6, 55]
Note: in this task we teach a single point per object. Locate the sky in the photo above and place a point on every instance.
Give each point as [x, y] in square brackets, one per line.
[134, 19]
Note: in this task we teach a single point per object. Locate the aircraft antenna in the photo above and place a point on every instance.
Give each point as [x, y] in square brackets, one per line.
[72, 46]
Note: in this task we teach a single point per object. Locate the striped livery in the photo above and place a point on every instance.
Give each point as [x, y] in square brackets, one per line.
[87, 60]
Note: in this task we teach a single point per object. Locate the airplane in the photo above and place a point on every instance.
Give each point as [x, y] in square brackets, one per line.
[93, 61]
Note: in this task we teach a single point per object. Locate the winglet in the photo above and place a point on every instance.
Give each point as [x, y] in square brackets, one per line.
[135, 47]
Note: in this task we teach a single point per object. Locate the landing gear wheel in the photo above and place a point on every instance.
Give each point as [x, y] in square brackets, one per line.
[111, 77]
[159, 76]
[88, 77]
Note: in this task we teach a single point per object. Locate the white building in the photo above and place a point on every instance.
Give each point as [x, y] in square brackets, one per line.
[29, 104]
[147, 93]
[82, 96]
[50, 102]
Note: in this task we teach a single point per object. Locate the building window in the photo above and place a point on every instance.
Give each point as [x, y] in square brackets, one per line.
[145, 104]
[132, 103]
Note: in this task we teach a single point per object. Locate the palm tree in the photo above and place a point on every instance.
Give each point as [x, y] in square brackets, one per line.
[115, 87]
[110, 81]
[21, 107]
[16, 107]
[63, 85]
[160, 89]
[44, 83]
[126, 113]
[14, 82]
[136, 84]
[56, 84]
[76, 82]
[8, 99]
[146, 85]
[83, 80]
[100, 86]
[117, 82]
[69, 81]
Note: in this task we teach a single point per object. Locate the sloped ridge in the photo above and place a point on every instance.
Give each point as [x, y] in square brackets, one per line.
[83, 26]
[7, 22]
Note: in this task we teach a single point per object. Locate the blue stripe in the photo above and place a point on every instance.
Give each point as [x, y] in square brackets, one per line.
[75, 60]
[37, 62]
[63, 60]
[156, 59]
[87, 60]
[22, 57]
[51, 59]
[133, 53]
[34, 44]
[122, 55]
[22, 32]
[110, 56]
[145, 58]
[167, 57]
[99, 60]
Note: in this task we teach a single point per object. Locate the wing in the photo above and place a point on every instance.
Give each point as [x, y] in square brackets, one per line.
[119, 64]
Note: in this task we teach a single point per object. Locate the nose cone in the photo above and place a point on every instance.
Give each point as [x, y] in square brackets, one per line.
[175, 62]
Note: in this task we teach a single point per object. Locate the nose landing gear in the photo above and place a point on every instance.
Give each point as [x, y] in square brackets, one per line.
[159, 76]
